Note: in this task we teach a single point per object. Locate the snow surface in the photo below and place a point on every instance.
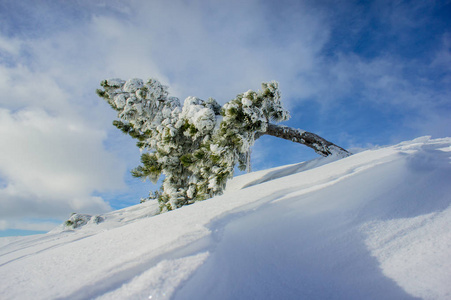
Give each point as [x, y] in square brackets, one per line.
[375, 225]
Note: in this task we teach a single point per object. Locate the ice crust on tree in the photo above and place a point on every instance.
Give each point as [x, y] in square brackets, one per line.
[133, 85]
[195, 146]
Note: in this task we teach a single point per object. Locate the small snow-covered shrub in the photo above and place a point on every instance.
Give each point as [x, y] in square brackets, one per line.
[78, 220]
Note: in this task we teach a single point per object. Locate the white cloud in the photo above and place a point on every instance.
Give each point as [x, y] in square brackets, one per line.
[209, 50]
[52, 165]
[20, 87]
[9, 46]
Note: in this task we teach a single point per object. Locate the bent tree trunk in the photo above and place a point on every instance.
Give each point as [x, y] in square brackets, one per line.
[317, 143]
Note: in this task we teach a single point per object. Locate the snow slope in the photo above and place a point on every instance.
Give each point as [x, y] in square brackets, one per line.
[375, 225]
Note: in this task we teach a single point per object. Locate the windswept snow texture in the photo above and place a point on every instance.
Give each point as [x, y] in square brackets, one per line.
[375, 225]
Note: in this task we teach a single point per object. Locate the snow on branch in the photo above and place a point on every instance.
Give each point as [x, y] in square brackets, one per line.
[197, 146]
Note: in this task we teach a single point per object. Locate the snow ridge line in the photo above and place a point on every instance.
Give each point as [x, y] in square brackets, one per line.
[331, 180]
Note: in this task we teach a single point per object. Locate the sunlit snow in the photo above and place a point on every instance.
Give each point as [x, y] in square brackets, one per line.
[375, 225]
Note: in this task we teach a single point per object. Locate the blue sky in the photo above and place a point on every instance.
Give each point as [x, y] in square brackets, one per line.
[359, 73]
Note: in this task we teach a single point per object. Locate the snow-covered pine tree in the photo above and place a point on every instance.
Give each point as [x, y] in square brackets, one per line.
[196, 146]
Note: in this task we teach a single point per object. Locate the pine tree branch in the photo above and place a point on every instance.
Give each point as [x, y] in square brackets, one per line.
[317, 143]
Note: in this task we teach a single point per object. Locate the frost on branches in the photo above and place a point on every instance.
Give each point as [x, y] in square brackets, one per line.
[195, 146]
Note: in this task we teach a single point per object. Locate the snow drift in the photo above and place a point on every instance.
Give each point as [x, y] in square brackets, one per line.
[375, 225]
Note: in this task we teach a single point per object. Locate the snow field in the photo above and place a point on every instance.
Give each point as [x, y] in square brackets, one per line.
[371, 226]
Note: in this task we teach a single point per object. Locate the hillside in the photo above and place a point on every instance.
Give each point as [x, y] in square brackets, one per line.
[374, 225]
